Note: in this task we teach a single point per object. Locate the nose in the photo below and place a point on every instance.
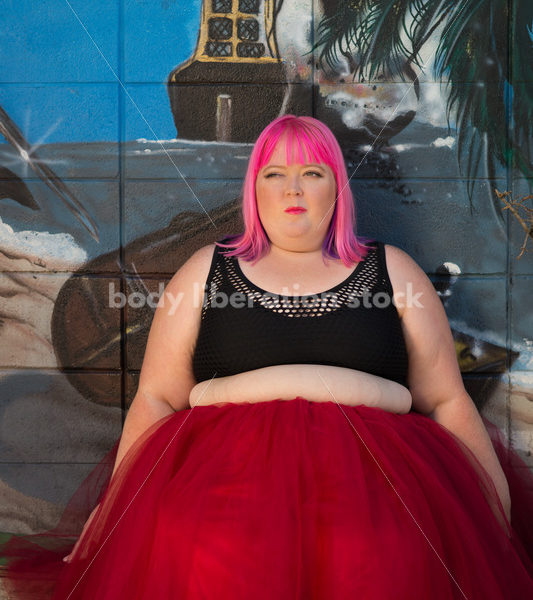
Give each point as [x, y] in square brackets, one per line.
[293, 186]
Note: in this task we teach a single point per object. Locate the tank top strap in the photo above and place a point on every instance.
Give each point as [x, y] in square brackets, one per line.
[383, 273]
[215, 278]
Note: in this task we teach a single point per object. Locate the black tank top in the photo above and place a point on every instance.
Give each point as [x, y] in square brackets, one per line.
[353, 325]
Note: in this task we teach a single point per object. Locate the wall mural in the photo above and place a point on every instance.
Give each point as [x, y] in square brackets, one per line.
[106, 188]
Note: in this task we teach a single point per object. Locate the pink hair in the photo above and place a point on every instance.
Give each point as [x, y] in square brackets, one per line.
[317, 140]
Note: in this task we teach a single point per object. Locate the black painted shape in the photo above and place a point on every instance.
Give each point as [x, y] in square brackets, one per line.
[221, 6]
[218, 49]
[220, 28]
[253, 105]
[12, 186]
[248, 29]
[249, 6]
[250, 49]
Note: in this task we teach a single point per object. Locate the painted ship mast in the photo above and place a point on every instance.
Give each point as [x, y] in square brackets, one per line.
[234, 83]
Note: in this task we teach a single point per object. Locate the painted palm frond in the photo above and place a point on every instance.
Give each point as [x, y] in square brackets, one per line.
[370, 30]
[472, 55]
[341, 20]
[376, 33]
[427, 16]
[521, 92]
[493, 118]
[380, 39]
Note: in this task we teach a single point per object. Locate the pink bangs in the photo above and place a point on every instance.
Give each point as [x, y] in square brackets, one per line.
[308, 140]
[298, 142]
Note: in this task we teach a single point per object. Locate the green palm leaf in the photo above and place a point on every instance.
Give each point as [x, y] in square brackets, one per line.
[427, 16]
[473, 56]
[379, 39]
[335, 30]
[521, 93]
[493, 118]
[375, 31]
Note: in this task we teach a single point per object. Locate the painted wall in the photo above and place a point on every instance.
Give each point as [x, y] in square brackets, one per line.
[110, 179]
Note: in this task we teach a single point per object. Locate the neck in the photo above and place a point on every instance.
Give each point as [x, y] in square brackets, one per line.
[288, 254]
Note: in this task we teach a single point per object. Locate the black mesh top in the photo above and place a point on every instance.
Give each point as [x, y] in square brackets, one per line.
[353, 324]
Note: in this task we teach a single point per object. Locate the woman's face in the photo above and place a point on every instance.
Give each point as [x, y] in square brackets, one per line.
[310, 186]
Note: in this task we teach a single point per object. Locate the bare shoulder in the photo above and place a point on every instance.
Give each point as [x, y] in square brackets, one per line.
[405, 274]
[399, 260]
[202, 256]
[167, 371]
[194, 270]
[433, 375]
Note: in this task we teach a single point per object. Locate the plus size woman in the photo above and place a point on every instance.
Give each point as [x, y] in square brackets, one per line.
[301, 429]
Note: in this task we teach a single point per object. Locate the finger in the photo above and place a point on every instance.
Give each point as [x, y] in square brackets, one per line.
[68, 557]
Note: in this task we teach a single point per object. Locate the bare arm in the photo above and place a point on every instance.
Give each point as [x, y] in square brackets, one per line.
[460, 416]
[317, 383]
[166, 377]
[145, 410]
[434, 376]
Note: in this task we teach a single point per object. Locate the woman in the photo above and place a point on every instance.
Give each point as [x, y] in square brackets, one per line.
[295, 433]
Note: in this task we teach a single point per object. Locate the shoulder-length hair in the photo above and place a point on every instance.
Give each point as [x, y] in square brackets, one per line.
[312, 137]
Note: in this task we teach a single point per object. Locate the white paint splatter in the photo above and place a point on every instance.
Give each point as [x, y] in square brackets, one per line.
[522, 379]
[44, 249]
[440, 142]
[452, 268]
[182, 141]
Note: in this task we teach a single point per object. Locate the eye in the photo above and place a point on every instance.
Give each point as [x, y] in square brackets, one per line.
[274, 174]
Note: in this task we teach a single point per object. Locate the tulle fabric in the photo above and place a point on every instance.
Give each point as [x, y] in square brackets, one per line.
[288, 500]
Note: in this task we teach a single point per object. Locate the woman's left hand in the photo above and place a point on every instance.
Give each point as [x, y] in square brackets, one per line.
[69, 557]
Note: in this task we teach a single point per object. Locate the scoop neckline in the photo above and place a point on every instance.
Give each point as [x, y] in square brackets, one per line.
[332, 289]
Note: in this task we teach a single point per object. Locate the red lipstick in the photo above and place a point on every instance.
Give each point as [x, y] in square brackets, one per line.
[295, 209]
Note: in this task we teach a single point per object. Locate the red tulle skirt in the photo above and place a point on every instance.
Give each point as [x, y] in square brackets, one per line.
[288, 500]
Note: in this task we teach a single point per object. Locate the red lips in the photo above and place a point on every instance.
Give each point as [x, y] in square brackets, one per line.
[295, 209]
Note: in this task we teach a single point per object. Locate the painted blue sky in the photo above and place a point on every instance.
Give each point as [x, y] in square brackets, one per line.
[56, 85]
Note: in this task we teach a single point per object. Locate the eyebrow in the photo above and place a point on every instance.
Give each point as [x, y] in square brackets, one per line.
[284, 166]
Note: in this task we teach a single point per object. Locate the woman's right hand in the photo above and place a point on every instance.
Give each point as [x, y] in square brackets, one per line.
[70, 556]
